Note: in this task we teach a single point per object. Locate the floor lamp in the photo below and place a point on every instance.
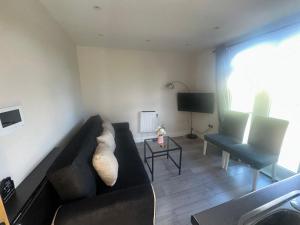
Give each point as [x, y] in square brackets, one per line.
[171, 85]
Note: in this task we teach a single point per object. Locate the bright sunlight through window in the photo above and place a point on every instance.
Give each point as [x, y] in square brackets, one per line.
[273, 68]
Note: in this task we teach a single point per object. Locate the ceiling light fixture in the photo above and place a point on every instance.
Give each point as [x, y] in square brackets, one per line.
[100, 35]
[148, 40]
[216, 28]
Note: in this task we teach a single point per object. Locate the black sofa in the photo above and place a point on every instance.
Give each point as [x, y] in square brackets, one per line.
[84, 198]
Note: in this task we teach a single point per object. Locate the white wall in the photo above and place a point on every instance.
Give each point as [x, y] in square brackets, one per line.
[38, 69]
[119, 84]
[204, 81]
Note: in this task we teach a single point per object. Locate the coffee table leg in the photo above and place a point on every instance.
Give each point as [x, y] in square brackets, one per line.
[152, 173]
[180, 157]
[144, 151]
[168, 148]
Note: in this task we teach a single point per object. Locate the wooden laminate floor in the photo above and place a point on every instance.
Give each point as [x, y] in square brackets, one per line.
[201, 185]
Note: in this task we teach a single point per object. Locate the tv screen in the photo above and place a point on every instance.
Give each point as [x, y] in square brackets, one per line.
[195, 102]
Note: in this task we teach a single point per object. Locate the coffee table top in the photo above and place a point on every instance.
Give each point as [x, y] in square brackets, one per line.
[169, 145]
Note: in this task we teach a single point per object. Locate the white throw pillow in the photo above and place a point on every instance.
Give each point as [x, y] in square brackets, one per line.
[107, 125]
[108, 139]
[106, 164]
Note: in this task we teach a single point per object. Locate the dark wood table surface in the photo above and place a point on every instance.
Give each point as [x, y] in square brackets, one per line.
[26, 189]
[229, 213]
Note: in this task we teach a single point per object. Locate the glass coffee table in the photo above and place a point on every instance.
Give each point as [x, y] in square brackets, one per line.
[153, 150]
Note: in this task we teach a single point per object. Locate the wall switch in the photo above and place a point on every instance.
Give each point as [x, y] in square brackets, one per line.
[210, 126]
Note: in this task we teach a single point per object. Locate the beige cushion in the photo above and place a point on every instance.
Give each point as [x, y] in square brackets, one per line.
[108, 139]
[107, 125]
[106, 164]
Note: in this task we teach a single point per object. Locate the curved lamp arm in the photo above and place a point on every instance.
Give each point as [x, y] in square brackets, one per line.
[171, 85]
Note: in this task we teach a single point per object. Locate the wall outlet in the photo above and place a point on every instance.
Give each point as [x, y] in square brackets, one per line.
[210, 126]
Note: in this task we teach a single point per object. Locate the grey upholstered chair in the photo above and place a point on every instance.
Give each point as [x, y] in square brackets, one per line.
[263, 147]
[232, 130]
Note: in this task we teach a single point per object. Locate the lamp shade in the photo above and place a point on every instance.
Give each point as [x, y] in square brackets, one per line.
[170, 85]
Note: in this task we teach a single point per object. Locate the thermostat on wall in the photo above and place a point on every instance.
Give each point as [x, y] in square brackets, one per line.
[10, 119]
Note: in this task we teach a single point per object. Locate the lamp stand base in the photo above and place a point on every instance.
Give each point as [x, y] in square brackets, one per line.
[192, 136]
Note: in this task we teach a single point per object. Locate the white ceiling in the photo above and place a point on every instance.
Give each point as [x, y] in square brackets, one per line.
[172, 25]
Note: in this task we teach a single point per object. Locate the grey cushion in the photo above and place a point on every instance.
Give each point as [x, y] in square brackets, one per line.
[220, 140]
[267, 134]
[256, 158]
[234, 125]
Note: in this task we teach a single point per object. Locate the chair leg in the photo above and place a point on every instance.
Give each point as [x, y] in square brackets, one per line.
[273, 172]
[227, 160]
[223, 159]
[255, 178]
[204, 147]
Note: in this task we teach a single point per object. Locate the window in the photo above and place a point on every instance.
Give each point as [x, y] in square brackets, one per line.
[269, 73]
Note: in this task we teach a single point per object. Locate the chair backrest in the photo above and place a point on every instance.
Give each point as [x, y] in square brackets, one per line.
[267, 134]
[234, 124]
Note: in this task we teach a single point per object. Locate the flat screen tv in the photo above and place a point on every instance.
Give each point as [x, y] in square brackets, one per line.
[195, 102]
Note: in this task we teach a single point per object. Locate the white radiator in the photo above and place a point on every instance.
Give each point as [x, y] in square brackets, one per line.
[148, 121]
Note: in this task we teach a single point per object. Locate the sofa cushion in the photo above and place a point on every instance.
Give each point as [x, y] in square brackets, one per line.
[74, 181]
[72, 174]
[93, 128]
[121, 127]
[106, 164]
[107, 125]
[108, 139]
[131, 169]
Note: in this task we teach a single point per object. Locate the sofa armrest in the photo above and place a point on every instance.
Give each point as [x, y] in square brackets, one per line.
[119, 127]
[133, 206]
